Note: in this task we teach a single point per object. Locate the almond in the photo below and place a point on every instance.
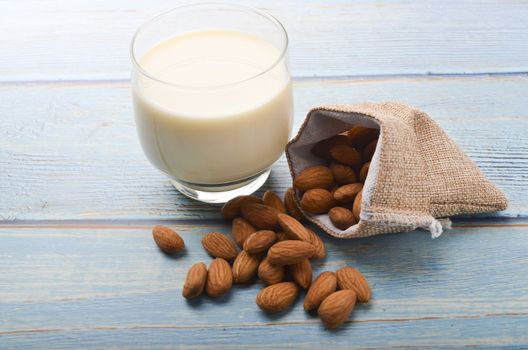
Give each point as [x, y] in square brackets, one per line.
[364, 172]
[302, 273]
[317, 242]
[360, 136]
[347, 193]
[335, 308]
[290, 252]
[231, 209]
[259, 241]
[241, 230]
[350, 278]
[324, 285]
[342, 218]
[269, 273]
[345, 154]
[219, 278]
[219, 245]
[245, 267]
[261, 216]
[167, 240]
[282, 236]
[291, 207]
[314, 177]
[293, 228]
[271, 199]
[356, 208]
[322, 148]
[369, 150]
[343, 174]
[317, 201]
[195, 281]
[277, 297]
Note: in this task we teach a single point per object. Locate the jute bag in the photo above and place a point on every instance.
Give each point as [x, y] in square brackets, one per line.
[417, 174]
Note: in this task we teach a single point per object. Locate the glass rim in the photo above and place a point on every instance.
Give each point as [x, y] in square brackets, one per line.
[254, 10]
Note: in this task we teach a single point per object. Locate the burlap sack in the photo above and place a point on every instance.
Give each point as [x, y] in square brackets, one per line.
[417, 173]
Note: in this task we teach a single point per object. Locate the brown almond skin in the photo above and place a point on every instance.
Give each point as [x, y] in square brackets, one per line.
[318, 176]
[324, 285]
[167, 240]
[343, 174]
[269, 273]
[291, 207]
[347, 193]
[345, 154]
[282, 236]
[369, 150]
[342, 218]
[219, 245]
[259, 241]
[271, 199]
[335, 308]
[361, 136]
[277, 297]
[231, 209]
[302, 273]
[241, 230]
[364, 172]
[356, 207]
[317, 201]
[293, 228]
[290, 252]
[319, 246]
[350, 278]
[260, 216]
[322, 148]
[219, 278]
[245, 267]
[195, 281]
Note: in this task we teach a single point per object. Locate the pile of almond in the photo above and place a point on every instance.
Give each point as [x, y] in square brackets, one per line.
[335, 187]
[277, 248]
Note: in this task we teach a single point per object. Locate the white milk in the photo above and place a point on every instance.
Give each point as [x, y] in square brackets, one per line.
[208, 127]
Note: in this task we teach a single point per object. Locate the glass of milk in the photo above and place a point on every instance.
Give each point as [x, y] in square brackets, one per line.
[212, 97]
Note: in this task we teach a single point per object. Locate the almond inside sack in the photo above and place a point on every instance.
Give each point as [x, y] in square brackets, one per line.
[417, 173]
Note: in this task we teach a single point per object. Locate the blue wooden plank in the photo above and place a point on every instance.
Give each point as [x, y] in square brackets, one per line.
[67, 142]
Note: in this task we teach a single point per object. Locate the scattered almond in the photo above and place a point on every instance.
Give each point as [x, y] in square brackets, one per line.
[317, 242]
[364, 172]
[343, 174]
[277, 297]
[219, 245]
[324, 285]
[293, 228]
[282, 236]
[271, 199]
[350, 278]
[347, 193]
[314, 177]
[290, 252]
[167, 240]
[241, 230]
[245, 267]
[219, 278]
[345, 154]
[317, 201]
[231, 209]
[195, 281]
[342, 218]
[259, 241]
[291, 207]
[269, 273]
[335, 308]
[261, 216]
[356, 208]
[302, 273]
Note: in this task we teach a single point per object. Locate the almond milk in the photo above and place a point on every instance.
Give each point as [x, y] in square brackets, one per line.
[215, 106]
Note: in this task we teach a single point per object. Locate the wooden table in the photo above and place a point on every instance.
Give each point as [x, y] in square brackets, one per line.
[78, 199]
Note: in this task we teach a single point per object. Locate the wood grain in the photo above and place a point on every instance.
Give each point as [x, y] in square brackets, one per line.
[72, 40]
[70, 150]
[96, 287]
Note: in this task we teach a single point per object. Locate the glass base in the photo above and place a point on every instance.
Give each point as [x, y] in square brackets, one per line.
[222, 193]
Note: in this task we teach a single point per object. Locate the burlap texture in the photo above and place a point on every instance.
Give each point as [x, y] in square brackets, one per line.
[417, 173]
